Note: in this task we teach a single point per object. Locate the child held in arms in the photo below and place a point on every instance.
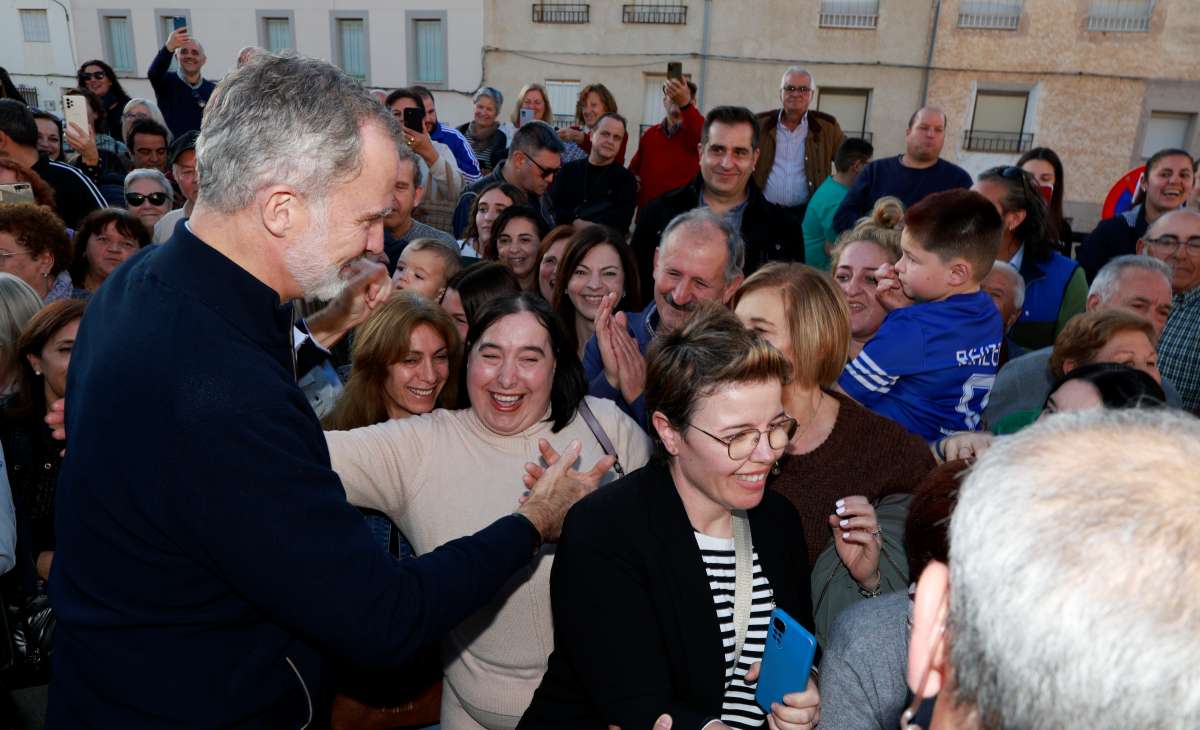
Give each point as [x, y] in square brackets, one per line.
[931, 365]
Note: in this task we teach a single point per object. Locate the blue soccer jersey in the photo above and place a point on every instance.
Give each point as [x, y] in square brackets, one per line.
[931, 366]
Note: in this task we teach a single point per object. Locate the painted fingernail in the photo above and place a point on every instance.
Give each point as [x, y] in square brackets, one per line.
[840, 503]
[845, 535]
[841, 510]
[844, 523]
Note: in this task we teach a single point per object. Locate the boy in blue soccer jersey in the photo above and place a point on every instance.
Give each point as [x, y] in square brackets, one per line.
[931, 365]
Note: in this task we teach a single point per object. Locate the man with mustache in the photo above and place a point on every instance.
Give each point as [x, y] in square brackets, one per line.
[700, 258]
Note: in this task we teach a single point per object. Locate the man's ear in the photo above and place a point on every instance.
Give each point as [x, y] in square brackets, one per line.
[1093, 303]
[672, 439]
[283, 212]
[927, 650]
[731, 289]
[1140, 247]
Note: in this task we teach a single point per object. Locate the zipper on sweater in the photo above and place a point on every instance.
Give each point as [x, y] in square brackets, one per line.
[307, 696]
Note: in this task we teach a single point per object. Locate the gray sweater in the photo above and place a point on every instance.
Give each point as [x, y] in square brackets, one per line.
[863, 685]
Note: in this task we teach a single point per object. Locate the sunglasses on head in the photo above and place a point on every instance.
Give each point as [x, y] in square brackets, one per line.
[136, 199]
[96, 75]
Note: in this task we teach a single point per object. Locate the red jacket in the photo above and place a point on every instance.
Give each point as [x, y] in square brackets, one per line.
[662, 162]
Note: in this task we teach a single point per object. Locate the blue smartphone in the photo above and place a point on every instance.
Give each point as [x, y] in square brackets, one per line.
[180, 22]
[787, 660]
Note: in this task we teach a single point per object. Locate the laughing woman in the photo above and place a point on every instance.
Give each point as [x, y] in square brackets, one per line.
[517, 234]
[645, 574]
[451, 473]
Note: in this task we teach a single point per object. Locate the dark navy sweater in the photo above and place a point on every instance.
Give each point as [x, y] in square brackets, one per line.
[208, 563]
[887, 176]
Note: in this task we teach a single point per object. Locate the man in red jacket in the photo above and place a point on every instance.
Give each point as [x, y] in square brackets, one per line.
[668, 154]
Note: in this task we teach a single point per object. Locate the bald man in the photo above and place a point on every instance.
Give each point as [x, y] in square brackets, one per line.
[181, 94]
[1175, 239]
[910, 176]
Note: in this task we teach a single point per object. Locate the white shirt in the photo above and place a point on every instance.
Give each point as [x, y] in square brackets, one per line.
[787, 185]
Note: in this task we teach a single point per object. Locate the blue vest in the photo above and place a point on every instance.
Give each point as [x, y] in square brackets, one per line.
[1045, 285]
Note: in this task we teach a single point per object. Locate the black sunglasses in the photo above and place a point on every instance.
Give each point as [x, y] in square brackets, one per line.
[136, 199]
[96, 75]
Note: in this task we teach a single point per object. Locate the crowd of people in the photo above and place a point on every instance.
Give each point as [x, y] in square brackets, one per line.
[486, 426]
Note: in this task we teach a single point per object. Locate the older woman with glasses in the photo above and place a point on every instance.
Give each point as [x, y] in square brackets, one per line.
[139, 108]
[646, 571]
[148, 195]
[1055, 286]
[35, 248]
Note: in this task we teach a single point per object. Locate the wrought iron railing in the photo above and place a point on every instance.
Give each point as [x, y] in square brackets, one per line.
[990, 14]
[980, 140]
[562, 12]
[654, 14]
[849, 14]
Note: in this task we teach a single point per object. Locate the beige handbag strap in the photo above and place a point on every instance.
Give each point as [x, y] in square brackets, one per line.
[743, 591]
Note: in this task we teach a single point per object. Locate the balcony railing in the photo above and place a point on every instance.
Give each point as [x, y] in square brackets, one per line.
[1120, 16]
[849, 14]
[979, 140]
[989, 15]
[562, 12]
[30, 95]
[654, 14]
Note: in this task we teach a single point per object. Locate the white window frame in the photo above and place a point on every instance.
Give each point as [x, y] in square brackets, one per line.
[1020, 146]
[106, 41]
[990, 14]
[336, 39]
[1113, 21]
[24, 13]
[563, 119]
[410, 29]
[865, 93]
[262, 16]
[852, 14]
[1189, 119]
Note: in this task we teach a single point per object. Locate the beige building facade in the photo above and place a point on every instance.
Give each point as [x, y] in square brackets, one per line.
[1102, 82]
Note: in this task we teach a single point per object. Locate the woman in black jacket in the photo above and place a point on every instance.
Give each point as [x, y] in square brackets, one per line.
[643, 585]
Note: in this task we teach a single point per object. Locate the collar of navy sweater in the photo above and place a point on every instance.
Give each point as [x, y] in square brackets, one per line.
[208, 276]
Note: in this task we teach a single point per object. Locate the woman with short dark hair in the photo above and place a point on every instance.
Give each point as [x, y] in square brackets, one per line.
[646, 571]
[34, 246]
[99, 78]
[105, 239]
[516, 237]
[449, 473]
[471, 289]
[595, 263]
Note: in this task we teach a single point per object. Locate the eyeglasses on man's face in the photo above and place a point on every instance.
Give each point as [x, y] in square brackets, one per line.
[802, 90]
[1170, 244]
[546, 172]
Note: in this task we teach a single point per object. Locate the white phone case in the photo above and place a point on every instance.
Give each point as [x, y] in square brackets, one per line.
[75, 111]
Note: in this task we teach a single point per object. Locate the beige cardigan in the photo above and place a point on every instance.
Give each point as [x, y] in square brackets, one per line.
[445, 475]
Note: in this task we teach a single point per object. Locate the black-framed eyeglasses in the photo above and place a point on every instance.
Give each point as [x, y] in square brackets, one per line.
[546, 172]
[1170, 244]
[789, 89]
[742, 444]
[94, 75]
[136, 199]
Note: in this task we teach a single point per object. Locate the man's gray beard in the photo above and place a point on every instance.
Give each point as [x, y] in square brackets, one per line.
[319, 278]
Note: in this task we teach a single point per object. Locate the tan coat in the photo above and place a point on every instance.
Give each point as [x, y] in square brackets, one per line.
[824, 137]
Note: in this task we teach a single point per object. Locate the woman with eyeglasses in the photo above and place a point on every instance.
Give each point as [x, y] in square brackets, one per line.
[105, 239]
[484, 133]
[34, 247]
[138, 108]
[1055, 286]
[646, 570]
[148, 195]
[100, 79]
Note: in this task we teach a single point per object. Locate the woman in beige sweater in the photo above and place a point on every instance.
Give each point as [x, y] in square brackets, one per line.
[450, 473]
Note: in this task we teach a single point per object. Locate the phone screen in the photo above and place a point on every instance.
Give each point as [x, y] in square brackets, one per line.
[414, 119]
[675, 70]
[526, 116]
[180, 22]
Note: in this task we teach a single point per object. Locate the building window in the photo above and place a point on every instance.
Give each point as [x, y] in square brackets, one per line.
[849, 13]
[561, 12]
[1166, 130]
[998, 124]
[166, 26]
[850, 107]
[990, 14]
[1120, 16]
[35, 26]
[118, 41]
[275, 33]
[427, 57]
[654, 13]
[30, 95]
[350, 44]
[563, 95]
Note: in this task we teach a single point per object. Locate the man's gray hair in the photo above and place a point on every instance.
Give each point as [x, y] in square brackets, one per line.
[284, 119]
[699, 218]
[1073, 574]
[418, 164]
[1108, 279]
[147, 173]
[797, 70]
[1018, 281]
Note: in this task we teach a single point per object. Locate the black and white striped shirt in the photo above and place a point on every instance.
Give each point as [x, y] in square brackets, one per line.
[738, 709]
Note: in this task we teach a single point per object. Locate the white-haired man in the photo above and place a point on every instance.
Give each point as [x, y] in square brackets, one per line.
[1070, 597]
[1140, 284]
[201, 578]
[1175, 239]
[182, 95]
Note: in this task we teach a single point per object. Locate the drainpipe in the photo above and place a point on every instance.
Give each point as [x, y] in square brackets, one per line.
[704, 54]
[937, 13]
